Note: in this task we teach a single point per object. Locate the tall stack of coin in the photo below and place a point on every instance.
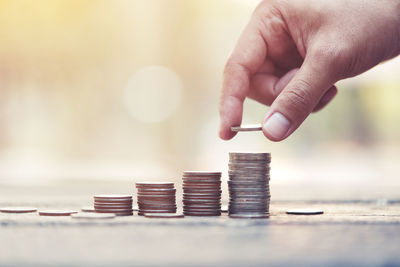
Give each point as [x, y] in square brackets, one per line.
[201, 193]
[156, 197]
[248, 184]
[120, 205]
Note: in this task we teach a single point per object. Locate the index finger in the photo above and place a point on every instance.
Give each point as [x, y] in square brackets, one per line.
[246, 59]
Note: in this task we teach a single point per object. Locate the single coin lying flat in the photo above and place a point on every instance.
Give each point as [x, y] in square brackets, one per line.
[18, 209]
[91, 216]
[304, 212]
[88, 209]
[56, 212]
[247, 128]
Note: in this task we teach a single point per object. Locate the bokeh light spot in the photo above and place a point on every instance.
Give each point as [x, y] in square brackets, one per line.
[153, 94]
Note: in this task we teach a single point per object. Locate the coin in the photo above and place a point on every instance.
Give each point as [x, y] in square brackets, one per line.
[111, 201]
[156, 197]
[163, 215]
[156, 207]
[113, 197]
[120, 205]
[306, 211]
[249, 216]
[205, 175]
[202, 213]
[224, 208]
[87, 209]
[201, 193]
[117, 213]
[249, 156]
[143, 212]
[247, 128]
[248, 184]
[56, 212]
[154, 185]
[112, 207]
[17, 209]
[91, 216]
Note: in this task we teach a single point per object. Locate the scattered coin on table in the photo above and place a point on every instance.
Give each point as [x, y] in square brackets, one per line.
[247, 128]
[305, 211]
[56, 212]
[17, 209]
[88, 209]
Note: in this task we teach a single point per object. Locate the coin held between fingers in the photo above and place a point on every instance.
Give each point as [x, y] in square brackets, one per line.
[247, 128]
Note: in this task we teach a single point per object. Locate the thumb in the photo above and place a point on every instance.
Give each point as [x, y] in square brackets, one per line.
[297, 100]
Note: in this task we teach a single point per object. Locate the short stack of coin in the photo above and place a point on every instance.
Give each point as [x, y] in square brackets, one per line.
[248, 184]
[201, 193]
[120, 205]
[156, 197]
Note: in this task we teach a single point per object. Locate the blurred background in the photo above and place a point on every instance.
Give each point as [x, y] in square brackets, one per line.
[110, 92]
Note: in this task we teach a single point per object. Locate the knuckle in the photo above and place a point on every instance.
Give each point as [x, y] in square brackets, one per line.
[230, 68]
[299, 96]
[233, 67]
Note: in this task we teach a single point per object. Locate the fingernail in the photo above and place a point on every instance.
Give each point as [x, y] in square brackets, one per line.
[277, 126]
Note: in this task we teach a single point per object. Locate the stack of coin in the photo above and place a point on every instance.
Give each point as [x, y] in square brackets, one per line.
[156, 197]
[201, 193]
[248, 184]
[120, 205]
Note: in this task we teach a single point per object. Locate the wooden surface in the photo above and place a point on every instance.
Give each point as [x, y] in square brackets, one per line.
[358, 234]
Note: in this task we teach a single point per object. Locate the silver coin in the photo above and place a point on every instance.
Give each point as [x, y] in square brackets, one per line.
[249, 216]
[201, 182]
[142, 212]
[155, 184]
[56, 212]
[196, 214]
[305, 211]
[202, 194]
[87, 209]
[199, 205]
[193, 201]
[113, 197]
[202, 173]
[163, 215]
[247, 209]
[248, 205]
[208, 205]
[247, 128]
[113, 210]
[212, 191]
[249, 157]
[18, 209]
[249, 200]
[151, 190]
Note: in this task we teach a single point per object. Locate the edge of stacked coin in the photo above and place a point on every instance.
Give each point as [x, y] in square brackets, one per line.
[156, 197]
[120, 205]
[201, 193]
[249, 194]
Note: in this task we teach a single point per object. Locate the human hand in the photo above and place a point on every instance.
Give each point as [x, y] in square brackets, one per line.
[292, 53]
